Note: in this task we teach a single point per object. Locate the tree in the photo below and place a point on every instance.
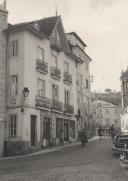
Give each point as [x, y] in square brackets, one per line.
[108, 90]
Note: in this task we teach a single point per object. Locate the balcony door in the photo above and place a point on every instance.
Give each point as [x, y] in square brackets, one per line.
[67, 98]
[55, 91]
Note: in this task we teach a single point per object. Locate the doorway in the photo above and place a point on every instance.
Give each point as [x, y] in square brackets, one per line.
[66, 130]
[33, 130]
[47, 130]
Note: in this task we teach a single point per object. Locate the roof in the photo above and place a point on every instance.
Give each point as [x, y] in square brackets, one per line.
[125, 74]
[46, 25]
[73, 33]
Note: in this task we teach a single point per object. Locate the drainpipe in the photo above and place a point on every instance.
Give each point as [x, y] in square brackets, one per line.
[6, 83]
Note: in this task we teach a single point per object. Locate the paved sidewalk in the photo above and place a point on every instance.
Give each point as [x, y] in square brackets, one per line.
[48, 150]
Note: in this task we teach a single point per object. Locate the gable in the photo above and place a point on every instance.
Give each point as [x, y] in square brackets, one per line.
[58, 37]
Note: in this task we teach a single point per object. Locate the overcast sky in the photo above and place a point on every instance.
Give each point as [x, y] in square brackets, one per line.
[102, 24]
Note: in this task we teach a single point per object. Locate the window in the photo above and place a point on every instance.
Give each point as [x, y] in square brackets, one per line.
[12, 125]
[40, 54]
[107, 111]
[116, 111]
[14, 85]
[67, 97]
[107, 122]
[41, 88]
[87, 84]
[100, 111]
[72, 129]
[54, 61]
[81, 79]
[86, 65]
[14, 48]
[55, 91]
[66, 66]
[116, 122]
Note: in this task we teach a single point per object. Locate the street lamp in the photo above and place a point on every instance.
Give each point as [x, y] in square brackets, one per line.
[25, 92]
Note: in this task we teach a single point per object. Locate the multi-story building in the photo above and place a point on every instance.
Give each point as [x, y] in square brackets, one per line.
[46, 72]
[124, 91]
[3, 26]
[83, 81]
[105, 114]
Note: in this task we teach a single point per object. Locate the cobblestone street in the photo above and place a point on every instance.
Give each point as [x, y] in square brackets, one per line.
[95, 162]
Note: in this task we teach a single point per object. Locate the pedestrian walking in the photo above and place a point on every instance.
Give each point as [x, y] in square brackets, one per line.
[112, 132]
[100, 132]
[83, 137]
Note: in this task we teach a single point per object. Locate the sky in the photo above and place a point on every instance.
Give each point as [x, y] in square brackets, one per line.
[101, 24]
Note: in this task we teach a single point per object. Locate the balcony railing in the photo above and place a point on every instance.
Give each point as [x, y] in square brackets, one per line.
[55, 72]
[42, 102]
[69, 109]
[55, 44]
[57, 105]
[67, 77]
[41, 66]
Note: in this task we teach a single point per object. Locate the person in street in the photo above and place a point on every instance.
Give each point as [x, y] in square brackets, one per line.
[61, 137]
[100, 132]
[112, 132]
[83, 137]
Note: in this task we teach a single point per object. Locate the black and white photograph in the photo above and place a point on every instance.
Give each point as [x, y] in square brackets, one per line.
[63, 90]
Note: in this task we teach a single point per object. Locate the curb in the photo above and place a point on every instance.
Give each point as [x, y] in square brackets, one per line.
[49, 150]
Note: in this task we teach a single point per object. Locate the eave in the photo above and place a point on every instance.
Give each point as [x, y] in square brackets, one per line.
[29, 28]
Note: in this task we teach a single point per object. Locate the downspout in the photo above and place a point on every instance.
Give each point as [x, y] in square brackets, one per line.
[6, 84]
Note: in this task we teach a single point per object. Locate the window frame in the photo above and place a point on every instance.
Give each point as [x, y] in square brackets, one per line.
[66, 97]
[14, 48]
[13, 125]
[66, 64]
[55, 87]
[41, 56]
[43, 87]
[16, 86]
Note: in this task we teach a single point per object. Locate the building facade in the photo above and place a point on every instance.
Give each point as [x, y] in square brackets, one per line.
[124, 91]
[3, 26]
[46, 71]
[105, 114]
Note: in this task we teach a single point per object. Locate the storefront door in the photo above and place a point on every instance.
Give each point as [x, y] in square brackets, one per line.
[33, 130]
[66, 130]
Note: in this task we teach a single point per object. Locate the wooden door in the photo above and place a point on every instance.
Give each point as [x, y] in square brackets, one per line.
[33, 129]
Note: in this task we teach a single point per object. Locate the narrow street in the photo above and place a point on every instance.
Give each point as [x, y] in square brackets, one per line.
[95, 162]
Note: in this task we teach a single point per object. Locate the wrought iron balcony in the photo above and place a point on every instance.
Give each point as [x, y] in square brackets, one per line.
[55, 44]
[55, 72]
[57, 105]
[69, 109]
[42, 102]
[41, 66]
[67, 78]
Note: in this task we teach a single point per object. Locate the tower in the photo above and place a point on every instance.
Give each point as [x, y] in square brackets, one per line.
[3, 26]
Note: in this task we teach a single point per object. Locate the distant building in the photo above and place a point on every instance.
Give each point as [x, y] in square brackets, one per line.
[45, 87]
[105, 114]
